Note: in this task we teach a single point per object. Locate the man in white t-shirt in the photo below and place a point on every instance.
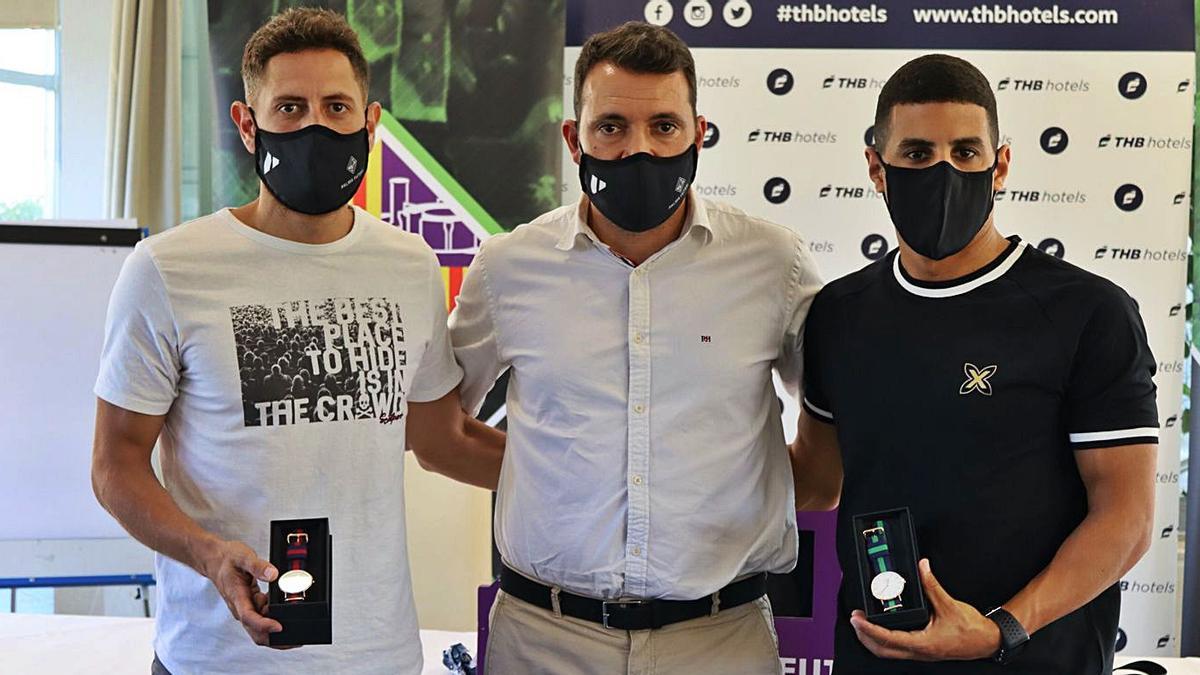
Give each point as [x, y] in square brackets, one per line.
[279, 353]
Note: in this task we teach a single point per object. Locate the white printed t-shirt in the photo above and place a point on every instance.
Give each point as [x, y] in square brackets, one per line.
[284, 371]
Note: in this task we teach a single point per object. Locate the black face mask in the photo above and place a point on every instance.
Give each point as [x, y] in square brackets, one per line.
[313, 170]
[938, 210]
[638, 192]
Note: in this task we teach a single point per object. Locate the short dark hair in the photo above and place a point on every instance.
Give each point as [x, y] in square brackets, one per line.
[638, 47]
[296, 30]
[935, 78]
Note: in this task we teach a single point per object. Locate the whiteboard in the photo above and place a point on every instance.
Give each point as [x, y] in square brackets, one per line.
[53, 300]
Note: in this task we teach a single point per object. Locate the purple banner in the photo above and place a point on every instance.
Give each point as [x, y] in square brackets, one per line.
[1115, 25]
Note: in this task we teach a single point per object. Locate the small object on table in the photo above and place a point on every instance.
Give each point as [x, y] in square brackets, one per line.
[458, 660]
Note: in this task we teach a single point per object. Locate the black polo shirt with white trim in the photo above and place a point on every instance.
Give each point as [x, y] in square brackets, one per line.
[966, 401]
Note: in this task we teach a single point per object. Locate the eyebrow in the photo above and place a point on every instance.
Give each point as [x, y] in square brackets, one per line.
[923, 143]
[292, 98]
[656, 117]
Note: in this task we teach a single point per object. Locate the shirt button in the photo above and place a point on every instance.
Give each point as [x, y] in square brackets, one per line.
[637, 480]
[639, 408]
[637, 552]
[638, 338]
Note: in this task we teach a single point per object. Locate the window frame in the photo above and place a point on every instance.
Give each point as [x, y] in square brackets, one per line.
[53, 84]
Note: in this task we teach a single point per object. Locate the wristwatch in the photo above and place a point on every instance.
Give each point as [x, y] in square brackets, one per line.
[296, 581]
[1013, 635]
[887, 586]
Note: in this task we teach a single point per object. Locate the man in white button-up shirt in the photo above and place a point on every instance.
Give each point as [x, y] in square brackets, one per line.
[646, 457]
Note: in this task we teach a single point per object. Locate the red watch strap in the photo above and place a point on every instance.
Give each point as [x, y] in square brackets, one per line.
[297, 557]
[297, 550]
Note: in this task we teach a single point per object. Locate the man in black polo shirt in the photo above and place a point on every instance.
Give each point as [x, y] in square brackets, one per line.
[1003, 395]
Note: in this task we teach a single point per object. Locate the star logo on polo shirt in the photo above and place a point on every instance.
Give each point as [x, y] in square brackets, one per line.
[977, 379]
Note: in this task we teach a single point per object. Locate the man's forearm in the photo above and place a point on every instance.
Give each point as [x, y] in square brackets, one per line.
[1096, 555]
[818, 484]
[133, 495]
[816, 465]
[475, 458]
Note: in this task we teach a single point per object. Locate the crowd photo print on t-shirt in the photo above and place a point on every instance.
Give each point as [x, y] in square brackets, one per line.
[332, 360]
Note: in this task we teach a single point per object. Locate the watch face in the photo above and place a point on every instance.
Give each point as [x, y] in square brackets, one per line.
[887, 586]
[295, 581]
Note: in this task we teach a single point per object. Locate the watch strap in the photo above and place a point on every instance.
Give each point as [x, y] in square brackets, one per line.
[879, 557]
[296, 556]
[1013, 635]
[297, 549]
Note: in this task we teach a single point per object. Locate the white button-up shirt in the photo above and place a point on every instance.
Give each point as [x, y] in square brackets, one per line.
[646, 454]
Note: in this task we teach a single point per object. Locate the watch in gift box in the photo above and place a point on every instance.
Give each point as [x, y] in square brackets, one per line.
[887, 586]
[296, 581]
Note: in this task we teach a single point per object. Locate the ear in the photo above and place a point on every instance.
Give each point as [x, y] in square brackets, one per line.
[374, 112]
[701, 130]
[875, 169]
[239, 112]
[570, 134]
[1003, 159]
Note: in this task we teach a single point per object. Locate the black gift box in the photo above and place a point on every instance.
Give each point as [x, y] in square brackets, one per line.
[308, 621]
[902, 548]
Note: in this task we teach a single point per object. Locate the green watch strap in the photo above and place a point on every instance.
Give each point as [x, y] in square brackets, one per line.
[880, 558]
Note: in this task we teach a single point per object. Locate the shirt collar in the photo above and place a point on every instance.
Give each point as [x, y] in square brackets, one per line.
[946, 289]
[577, 226]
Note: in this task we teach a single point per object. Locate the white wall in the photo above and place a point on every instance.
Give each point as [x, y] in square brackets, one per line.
[449, 546]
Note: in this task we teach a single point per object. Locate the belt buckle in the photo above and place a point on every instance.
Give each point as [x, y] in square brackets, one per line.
[299, 538]
[622, 604]
[873, 530]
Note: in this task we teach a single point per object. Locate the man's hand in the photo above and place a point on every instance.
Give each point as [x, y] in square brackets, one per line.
[235, 569]
[956, 630]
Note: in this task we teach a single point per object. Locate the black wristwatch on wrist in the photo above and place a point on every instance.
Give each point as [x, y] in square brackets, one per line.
[1012, 634]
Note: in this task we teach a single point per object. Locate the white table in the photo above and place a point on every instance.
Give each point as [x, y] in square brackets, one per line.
[52, 644]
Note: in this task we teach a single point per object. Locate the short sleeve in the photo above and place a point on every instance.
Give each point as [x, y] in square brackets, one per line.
[805, 282]
[139, 365]
[817, 331]
[438, 372]
[473, 333]
[1110, 397]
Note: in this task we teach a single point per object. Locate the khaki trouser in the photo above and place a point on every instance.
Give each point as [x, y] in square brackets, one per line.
[527, 640]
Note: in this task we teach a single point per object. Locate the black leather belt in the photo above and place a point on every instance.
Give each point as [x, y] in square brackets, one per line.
[631, 614]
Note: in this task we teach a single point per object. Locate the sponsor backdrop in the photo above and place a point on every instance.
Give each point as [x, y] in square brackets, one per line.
[1096, 102]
